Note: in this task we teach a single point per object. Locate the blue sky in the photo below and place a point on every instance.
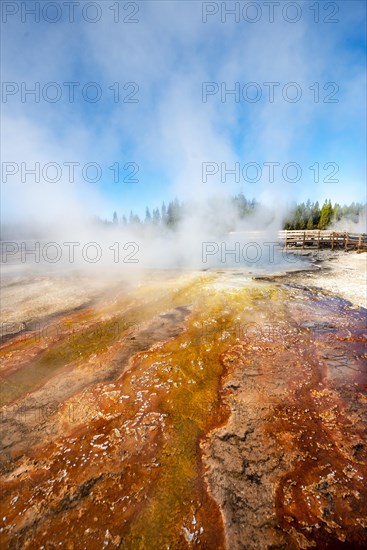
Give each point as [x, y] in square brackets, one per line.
[170, 132]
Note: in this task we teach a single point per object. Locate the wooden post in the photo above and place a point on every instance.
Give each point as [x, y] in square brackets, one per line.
[359, 244]
[318, 243]
[332, 240]
[304, 240]
[346, 242]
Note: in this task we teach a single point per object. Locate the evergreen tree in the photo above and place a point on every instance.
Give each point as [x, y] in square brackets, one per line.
[316, 214]
[164, 213]
[336, 212]
[326, 214]
[170, 219]
[115, 219]
[148, 217]
[156, 216]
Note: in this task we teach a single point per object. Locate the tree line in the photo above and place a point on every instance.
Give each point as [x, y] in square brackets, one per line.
[305, 215]
[309, 215]
[173, 213]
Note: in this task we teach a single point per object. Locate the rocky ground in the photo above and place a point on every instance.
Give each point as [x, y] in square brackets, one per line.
[193, 410]
[341, 273]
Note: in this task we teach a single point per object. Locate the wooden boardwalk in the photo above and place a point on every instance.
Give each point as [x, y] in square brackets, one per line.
[316, 238]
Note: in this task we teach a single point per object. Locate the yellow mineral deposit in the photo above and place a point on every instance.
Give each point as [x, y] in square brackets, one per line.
[193, 412]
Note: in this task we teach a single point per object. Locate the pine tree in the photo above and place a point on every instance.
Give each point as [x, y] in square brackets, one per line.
[336, 212]
[156, 216]
[310, 222]
[164, 213]
[316, 214]
[170, 215]
[326, 214]
[148, 217]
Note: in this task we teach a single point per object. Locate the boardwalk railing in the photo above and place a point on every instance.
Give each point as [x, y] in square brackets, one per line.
[314, 238]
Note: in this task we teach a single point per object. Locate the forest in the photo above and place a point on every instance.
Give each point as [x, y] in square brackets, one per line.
[305, 215]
